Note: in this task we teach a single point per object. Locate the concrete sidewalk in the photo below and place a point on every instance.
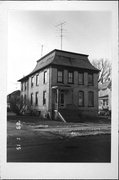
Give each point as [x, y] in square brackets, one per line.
[80, 129]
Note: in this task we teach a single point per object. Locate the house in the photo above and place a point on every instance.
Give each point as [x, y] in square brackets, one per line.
[105, 96]
[62, 85]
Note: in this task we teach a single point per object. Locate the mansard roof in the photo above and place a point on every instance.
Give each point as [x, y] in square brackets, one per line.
[63, 58]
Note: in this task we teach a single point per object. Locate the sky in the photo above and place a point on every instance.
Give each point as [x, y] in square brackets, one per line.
[87, 32]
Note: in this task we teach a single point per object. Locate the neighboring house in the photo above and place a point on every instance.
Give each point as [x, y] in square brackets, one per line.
[105, 96]
[14, 95]
[63, 84]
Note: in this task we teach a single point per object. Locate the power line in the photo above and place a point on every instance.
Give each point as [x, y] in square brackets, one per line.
[61, 32]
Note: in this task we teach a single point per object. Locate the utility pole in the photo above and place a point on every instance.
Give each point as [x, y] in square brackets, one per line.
[61, 31]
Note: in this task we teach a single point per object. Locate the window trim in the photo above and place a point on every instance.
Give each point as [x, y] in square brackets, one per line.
[25, 99]
[72, 77]
[44, 94]
[83, 78]
[37, 79]
[25, 85]
[44, 77]
[31, 99]
[92, 83]
[92, 105]
[22, 86]
[60, 70]
[32, 81]
[36, 98]
[83, 98]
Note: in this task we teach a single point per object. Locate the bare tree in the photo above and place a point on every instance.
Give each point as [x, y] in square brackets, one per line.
[105, 69]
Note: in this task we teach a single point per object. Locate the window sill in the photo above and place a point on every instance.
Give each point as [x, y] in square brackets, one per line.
[90, 84]
[60, 82]
[70, 82]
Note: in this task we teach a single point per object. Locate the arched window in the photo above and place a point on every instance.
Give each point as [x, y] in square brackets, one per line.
[81, 98]
[90, 99]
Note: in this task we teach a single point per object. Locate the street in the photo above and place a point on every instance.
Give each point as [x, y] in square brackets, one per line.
[78, 149]
[37, 144]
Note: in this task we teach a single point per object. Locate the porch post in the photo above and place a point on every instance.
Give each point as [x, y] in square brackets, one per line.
[57, 99]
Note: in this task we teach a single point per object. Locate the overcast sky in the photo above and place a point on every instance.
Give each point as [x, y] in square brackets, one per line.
[84, 32]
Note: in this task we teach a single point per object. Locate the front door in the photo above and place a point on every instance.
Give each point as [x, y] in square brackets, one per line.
[62, 99]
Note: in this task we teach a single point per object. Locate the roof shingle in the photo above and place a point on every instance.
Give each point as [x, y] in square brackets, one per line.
[63, 58]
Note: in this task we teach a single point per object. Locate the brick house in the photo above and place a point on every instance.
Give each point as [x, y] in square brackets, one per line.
[62, 85]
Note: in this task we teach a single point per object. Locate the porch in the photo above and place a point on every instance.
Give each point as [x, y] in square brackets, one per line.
[63, 107]
[62, 97]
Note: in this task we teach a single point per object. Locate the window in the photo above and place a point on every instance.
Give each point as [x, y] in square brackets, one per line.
[90, 79]
[81, 98]
[70, 77]
[25, 85]
[44, 97]
[60, 76]
[45, 77]
[31, 98]
[22, 86]
[21, 98]
[62, 98]
[32, 81]
[37, 79]
[36, 98]
[90, 99]
[25, 99]
[81, 78]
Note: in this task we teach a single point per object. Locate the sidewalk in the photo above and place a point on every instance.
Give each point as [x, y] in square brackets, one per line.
[79, 129]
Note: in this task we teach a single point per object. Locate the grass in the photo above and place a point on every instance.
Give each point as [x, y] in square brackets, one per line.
[37, 120]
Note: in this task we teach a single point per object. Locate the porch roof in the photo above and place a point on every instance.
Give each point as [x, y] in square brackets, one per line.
[62, 87]
[104, 97]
